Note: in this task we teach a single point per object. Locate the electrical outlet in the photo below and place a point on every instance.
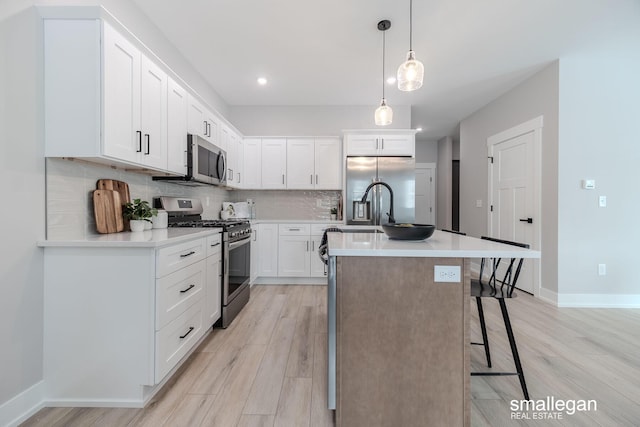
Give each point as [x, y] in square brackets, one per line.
[446, 273]
[602, 269]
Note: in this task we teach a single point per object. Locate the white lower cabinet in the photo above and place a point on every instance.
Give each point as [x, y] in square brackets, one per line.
[118, 320]
[268, 250]
[298, 250]
[213, 285]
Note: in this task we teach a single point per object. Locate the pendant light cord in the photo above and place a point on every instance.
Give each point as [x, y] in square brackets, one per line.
[383, 48]
[410, 24]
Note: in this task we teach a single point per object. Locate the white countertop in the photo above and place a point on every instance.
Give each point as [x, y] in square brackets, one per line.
[440, 244]
[145, 239]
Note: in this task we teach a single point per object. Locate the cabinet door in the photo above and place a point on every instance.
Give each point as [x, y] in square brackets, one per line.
[239, 160]
[268, 250]
[252, 171]
[122, 136]
[255, 254]
[153, 115]
[213, 288]
[274, 162]
[300, 172]
[293, 256]
[232, 154]
[317, 267]
[196, 118]
[362, 145]
[212, 125]
[328, 164]
[397, 145]
[177, 128]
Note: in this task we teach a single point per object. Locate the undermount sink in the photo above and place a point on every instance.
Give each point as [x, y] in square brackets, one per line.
[361, 230]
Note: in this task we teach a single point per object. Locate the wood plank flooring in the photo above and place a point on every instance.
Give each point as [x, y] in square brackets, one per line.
[269, 368]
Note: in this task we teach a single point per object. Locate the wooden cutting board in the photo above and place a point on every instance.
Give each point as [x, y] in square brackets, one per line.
[115, 185]
[107, 209]
[120, 187]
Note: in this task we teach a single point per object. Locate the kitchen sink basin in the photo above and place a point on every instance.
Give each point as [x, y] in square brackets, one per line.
[361, 230]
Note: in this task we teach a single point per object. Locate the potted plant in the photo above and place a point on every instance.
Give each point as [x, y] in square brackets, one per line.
[334, 213]
[139, 213]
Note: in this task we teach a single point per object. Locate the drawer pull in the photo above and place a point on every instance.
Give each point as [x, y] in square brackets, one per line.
[294, 229]
[215, 244]
[191, 328]
[186, 255]
[188, 289]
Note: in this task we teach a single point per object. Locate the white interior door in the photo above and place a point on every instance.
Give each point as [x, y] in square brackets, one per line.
[425, 194]
[515, 204]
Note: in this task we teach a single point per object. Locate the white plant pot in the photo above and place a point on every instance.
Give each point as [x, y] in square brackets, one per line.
[148, 225]
[333, 217]
[137, 225]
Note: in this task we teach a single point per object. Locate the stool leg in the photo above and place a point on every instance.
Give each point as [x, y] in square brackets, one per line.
[514, 348]
[483, 327]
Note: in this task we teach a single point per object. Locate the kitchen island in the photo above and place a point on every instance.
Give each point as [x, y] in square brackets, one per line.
[398, 327]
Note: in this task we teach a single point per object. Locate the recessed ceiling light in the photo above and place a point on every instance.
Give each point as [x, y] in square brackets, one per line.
[419, 129]
[262, 81]
[391, 80]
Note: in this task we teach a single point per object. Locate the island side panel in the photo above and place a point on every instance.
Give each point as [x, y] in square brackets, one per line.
[402, 343]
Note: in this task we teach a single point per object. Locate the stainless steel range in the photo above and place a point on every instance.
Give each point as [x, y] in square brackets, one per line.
[236, 254]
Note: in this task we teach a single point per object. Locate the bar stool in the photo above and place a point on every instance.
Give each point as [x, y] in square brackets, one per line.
[500, 290]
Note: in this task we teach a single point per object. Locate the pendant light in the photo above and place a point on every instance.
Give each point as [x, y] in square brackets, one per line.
[410, 72]
[384, 113]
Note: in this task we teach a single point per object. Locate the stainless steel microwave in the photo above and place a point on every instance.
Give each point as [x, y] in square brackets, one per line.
[206, 164]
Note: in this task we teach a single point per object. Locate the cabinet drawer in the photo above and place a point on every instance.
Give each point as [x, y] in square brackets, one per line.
[177, 291]
[175, 257]
[293, 229]
[214, 244]
[177, 338]
[319, 228]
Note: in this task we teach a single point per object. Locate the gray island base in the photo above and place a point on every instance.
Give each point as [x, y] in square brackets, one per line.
[402, 343]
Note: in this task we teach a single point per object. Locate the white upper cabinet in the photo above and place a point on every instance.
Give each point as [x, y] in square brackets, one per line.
[235, 155]
[399, 143]
[274, 163]
[314, 163]
[328, 164]
[300, 163]
[252, 170]
[204, 123]
[153, 115]
[177, 128]
[122, 68]
[135, 104]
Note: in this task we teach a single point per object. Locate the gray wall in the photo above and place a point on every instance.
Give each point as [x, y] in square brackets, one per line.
[22, 170]
[599, 113]
[23, 221]
[537, 96]
[444, 183]
[426, 151]
[311, 120]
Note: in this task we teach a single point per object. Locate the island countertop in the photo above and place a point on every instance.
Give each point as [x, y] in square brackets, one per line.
[440, 244]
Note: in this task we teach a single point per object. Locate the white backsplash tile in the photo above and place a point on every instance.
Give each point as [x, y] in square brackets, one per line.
[70, 184]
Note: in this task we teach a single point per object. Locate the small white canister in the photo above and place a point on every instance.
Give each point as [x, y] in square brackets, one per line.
[160, 220]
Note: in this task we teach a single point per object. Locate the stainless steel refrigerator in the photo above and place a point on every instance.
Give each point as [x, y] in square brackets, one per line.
[398, 172]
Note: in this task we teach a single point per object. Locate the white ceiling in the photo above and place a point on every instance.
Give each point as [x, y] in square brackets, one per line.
[328, 52]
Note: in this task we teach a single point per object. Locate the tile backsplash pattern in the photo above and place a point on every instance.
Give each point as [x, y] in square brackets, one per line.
[70, 184]
[291, 204]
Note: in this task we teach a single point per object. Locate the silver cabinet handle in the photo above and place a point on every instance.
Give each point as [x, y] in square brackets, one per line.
[283, 179]
[313, 245]
[239, 178]
[377, 145]
[204, 122]
[148, 144]
[382, 143]
[307, 246]
[294, 229]
[311, 176]
[139, 133]
[316, 178]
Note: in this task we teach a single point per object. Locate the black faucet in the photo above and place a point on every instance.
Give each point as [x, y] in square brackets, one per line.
[392, 220]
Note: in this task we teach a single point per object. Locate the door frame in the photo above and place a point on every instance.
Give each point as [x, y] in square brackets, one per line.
[433, 166]
[534, 126]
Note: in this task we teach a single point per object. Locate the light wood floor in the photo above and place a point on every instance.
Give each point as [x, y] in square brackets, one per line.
[268, 368]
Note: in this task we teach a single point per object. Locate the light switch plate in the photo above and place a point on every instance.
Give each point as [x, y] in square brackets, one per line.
[446, 273]
[602, 201]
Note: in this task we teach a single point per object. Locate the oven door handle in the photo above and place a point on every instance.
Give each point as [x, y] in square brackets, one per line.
[239, 243]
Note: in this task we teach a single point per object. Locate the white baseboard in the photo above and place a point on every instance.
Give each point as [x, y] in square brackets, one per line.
[19, 408]
[599, 300]
[548, 296]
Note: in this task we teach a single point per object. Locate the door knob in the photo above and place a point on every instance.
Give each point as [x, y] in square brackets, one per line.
[527, 220]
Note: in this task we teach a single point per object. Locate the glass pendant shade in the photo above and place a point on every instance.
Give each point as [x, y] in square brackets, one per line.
[383, 114]
[410, 73]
